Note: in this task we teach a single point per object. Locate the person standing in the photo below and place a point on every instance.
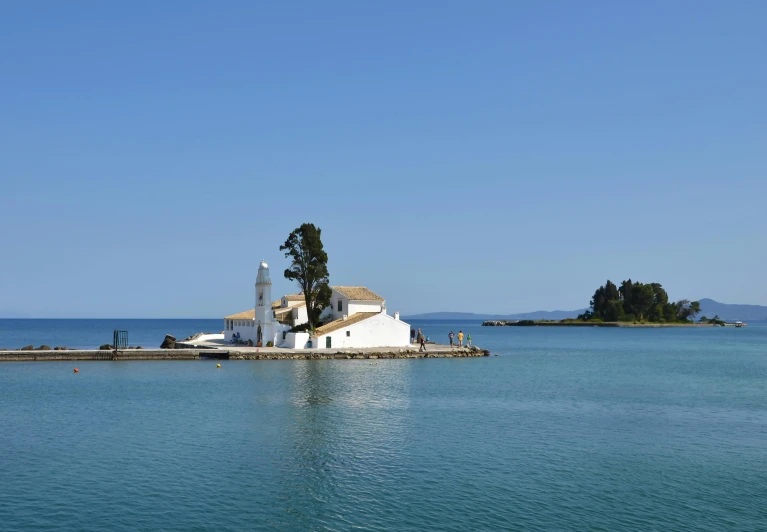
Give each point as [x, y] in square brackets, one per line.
[451, 336]
[468, 340]
[460, 338]
[423, 344]
[412, 335]
[418, 335]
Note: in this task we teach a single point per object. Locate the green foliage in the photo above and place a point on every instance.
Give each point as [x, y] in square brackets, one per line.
[309, 268]
[634, 301]
[713, 321]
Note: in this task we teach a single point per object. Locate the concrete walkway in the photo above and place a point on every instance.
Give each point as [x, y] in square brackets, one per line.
[212, 341]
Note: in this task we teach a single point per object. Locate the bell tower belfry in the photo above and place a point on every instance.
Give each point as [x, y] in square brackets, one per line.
[263, 294]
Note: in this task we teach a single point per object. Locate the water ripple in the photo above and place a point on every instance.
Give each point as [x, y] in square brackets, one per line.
[507, 443]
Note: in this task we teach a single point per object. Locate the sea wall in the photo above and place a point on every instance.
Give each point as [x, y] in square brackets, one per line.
[97, 354]
[350, 354]
[197, 354]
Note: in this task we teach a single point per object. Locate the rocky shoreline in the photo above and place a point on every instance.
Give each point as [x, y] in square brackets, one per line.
[361, 355]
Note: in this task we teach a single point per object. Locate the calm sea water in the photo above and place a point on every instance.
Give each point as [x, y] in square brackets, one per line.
[567, 429]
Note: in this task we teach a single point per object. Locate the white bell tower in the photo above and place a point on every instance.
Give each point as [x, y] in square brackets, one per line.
[263, 294]
[266, 326]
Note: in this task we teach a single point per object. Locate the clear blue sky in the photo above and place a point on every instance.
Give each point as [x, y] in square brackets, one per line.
[465, 156]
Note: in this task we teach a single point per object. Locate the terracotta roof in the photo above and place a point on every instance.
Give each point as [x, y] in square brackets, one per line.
[280, 310]
[340, 324]
[246, 315]
[357, 293]
[289, 297]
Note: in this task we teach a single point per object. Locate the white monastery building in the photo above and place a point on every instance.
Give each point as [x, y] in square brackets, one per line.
[356, 317]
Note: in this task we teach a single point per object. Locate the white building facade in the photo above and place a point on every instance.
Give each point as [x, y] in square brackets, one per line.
[356, 318]
[258, 327]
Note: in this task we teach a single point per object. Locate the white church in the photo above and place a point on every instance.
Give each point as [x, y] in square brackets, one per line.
[356, 317]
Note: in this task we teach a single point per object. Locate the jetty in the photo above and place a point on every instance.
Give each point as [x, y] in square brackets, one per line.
[242, 353]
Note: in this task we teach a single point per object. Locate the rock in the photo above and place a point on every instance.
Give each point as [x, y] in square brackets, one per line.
[59, 348]
[169, 342]
[106, 347]
[486, 353]
[139, 347]
[27, 348]
[44, 348]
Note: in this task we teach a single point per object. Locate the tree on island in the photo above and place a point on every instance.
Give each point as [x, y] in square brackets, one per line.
[309, 268]
[634, 301]
[716, 320]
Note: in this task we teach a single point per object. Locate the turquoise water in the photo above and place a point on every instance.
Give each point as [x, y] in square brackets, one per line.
[90, 334]
[587, 429]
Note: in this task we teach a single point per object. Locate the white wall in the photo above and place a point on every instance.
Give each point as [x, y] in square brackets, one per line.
[300, 315]
[334, 305]
[381, 330]
[296, 340]
[246, 328]
[352, 307]
[363, 306]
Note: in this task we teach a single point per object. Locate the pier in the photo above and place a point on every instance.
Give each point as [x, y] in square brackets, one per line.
[241, 353]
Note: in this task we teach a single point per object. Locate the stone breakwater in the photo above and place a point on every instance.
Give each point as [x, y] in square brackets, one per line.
[101, 354]
[349, 354]
[197, 354]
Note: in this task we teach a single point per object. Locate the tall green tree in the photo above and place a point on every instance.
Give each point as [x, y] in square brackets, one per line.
[309, 268]
[603, 304]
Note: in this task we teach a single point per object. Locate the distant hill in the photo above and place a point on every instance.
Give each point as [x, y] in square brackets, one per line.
[727, 312]
[709, 308]
[537, 315]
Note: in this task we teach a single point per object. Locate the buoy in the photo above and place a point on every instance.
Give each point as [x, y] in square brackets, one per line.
[218, 365]
[76, 370]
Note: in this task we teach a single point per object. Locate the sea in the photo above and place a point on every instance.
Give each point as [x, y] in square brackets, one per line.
[559, 429]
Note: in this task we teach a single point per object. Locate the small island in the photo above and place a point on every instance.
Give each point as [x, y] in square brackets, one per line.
[632, 304]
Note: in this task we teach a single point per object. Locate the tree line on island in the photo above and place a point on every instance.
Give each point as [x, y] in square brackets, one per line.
[640, 302]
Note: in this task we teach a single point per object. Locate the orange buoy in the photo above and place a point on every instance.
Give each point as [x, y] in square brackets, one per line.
[76, 370]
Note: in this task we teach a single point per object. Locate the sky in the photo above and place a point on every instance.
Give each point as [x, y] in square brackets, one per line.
[490, 157]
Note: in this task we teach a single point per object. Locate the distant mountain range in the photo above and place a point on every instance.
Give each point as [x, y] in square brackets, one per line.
[537, 315]
[727, 312]
[709, 308]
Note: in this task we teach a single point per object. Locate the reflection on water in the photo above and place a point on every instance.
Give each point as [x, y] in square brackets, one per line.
[345, 421]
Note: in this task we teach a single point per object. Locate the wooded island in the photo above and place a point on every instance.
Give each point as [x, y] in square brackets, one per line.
[638, 302]
[630, 304]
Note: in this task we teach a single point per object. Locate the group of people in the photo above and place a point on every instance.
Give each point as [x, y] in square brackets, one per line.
[417, 337]
[451, 336]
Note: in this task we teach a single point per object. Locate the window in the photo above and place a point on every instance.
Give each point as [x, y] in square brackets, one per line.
[348, 333]
[340, 305]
